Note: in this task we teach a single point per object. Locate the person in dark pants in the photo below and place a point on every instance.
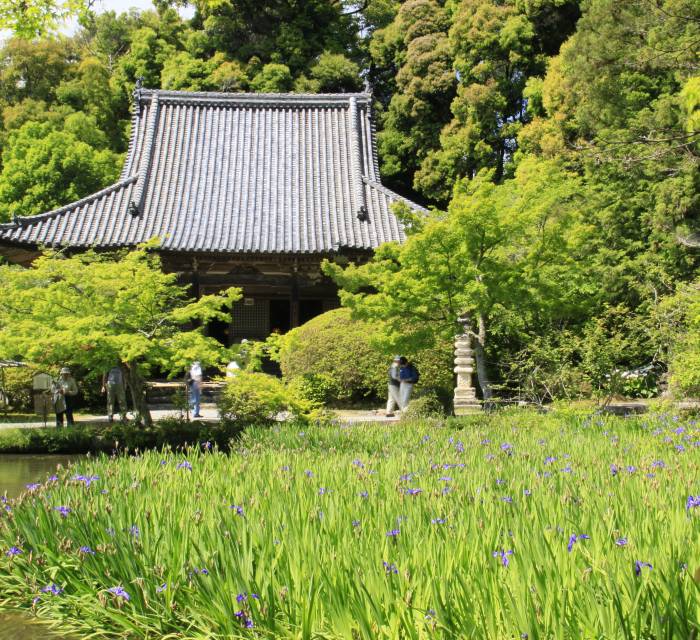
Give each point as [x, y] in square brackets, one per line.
[64, 391]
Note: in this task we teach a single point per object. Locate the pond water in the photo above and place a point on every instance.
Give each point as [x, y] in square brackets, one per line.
[16, 471]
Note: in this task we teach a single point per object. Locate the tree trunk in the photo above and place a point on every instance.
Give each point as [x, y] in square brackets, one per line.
[480, 357]
[137, 388]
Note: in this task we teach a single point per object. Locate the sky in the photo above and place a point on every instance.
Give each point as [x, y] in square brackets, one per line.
[117, 6]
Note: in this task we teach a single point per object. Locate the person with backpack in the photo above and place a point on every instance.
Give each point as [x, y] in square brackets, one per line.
[393, 399]
[408, 376]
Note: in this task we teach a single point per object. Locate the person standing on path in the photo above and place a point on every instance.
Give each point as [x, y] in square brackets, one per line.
[408, 374]
[194, 379]
[64, 389]
[113, 386]
[394, 386]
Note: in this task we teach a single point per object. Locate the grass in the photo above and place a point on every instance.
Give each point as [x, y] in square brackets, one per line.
[512, 526]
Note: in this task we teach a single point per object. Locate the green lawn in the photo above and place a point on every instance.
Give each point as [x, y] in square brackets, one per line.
[513, 526]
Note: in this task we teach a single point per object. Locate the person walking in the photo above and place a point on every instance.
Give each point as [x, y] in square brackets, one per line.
[63, 390]
[194, 379]
[394, 386]
[113, 386]
[408, 375]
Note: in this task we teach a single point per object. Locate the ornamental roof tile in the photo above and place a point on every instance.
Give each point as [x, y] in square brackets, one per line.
[235, 173]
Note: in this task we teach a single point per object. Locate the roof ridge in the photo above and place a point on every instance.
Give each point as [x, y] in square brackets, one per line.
[20, 220]
[253, 98]
[392, 194]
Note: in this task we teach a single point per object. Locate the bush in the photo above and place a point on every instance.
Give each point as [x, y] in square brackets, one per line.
[17, 387]
[422, 407]
[340, 360]
[171, 432]
[257, 398]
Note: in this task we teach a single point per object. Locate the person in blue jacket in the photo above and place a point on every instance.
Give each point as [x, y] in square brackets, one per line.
[408, 376]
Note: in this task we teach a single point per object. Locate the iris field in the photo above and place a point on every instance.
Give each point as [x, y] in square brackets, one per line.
[513, 526]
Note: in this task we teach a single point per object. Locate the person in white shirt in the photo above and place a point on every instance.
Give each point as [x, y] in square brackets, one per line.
[194, 378]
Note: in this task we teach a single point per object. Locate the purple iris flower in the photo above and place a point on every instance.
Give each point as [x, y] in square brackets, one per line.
[550, 460]
[390, 567]
[308, 473]
[503, 555]
[393, 533]
[355, 523]
[52, 588]
[237, 509]
[692, 502]
[119, 592]
[162, 588]
[53, 478]
[445, 479]
[527, 492]
[621, 542]
[573, 539]
[459, 446]
[134, 531]
[185, 464]
[613, 469]
[363, 494]
[486, 441]
[507, 499]
[244, 619]
[438, 521]
[86, 551]
[638, 566]
[413, 492]
[64, 511]
[658, 464]
[14, 551]
[33, 486]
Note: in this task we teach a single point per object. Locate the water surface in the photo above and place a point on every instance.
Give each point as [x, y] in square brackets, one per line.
[16, 471]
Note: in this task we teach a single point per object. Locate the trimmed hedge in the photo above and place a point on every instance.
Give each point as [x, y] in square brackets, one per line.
[93, 439]
[337, 360]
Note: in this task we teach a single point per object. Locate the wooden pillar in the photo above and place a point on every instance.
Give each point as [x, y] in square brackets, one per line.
[195, 279]
[294, 301]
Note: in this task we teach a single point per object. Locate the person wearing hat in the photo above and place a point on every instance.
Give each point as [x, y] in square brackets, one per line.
[64, 389]
[394, 381]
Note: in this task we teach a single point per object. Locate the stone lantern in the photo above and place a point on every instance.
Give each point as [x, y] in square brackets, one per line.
[465, 401]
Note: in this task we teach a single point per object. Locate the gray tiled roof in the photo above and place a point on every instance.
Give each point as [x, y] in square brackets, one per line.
[235, 173]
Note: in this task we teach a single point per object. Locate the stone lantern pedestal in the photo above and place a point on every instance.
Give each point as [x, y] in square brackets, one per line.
[465, 401]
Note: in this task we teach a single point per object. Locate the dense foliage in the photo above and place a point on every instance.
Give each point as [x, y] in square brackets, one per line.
[560, 140]
[258, 398]
[505, 527]
[100, 310]
[334, 358]
[171, 433]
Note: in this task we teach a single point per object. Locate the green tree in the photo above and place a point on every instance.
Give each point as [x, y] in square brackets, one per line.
[417, 46]
[45, 167]
[95, 310]
[503, 258]
[31, 18]
[273, 78]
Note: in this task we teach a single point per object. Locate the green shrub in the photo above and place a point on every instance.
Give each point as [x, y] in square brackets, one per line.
[424, 406]
[17, 387]
[314, 387]
[343, 360]
[171, 432]
[257, 398]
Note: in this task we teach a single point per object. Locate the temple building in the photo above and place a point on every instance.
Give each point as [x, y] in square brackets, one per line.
[247, 190]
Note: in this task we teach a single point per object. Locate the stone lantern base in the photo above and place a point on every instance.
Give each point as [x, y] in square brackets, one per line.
[465, 400]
